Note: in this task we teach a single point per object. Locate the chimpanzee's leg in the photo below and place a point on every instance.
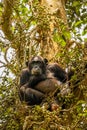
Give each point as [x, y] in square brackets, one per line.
[48, 86]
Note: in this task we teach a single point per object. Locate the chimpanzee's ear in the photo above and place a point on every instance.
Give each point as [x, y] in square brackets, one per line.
[27, 63]
[46, 61]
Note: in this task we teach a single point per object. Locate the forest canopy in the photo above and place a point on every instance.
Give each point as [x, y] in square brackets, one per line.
[56, 30]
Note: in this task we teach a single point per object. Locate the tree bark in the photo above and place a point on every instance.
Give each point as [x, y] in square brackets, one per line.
[53, 7]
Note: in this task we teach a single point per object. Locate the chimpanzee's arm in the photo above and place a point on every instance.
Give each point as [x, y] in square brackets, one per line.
[30, 96]
[34, 80]
[24, 78]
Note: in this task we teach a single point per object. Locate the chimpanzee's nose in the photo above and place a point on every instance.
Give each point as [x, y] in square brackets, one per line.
[36, 67]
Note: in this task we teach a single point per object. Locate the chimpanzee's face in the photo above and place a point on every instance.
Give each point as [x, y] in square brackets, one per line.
[37, 66]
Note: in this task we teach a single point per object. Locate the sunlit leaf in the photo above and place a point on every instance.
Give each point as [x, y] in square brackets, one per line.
[84, 32]
[75, 3]
[78, 23]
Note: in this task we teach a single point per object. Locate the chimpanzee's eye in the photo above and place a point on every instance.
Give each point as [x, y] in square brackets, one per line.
[33, 63]
[38, 62]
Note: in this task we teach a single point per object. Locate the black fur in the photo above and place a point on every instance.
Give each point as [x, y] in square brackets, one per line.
[38, 79]
[38, 66]
[30, 77]
[57, 72]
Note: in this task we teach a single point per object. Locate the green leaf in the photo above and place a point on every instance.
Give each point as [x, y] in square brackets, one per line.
[63, 43]
[84, 32]
[25, 1]
[75, 3]
[33, 23]
[67, 35]
[85, 39]
[58, 39]
[78, 23]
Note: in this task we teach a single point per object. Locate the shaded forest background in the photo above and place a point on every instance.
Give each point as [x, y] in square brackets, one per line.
[56, 30]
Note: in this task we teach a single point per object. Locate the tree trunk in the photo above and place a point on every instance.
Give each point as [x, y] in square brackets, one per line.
[56, 9]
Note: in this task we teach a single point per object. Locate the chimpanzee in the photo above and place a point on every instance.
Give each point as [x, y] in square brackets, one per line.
[57, 72]
[39, 79]
[36, 72]
[31, 76]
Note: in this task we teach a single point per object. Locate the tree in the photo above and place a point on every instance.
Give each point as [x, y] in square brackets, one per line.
[40, 27]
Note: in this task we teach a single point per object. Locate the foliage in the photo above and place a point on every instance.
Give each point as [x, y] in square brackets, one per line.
[77, 11]
[26, 32]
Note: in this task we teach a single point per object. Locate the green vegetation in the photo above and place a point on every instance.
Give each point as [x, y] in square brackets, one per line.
[25, 31]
